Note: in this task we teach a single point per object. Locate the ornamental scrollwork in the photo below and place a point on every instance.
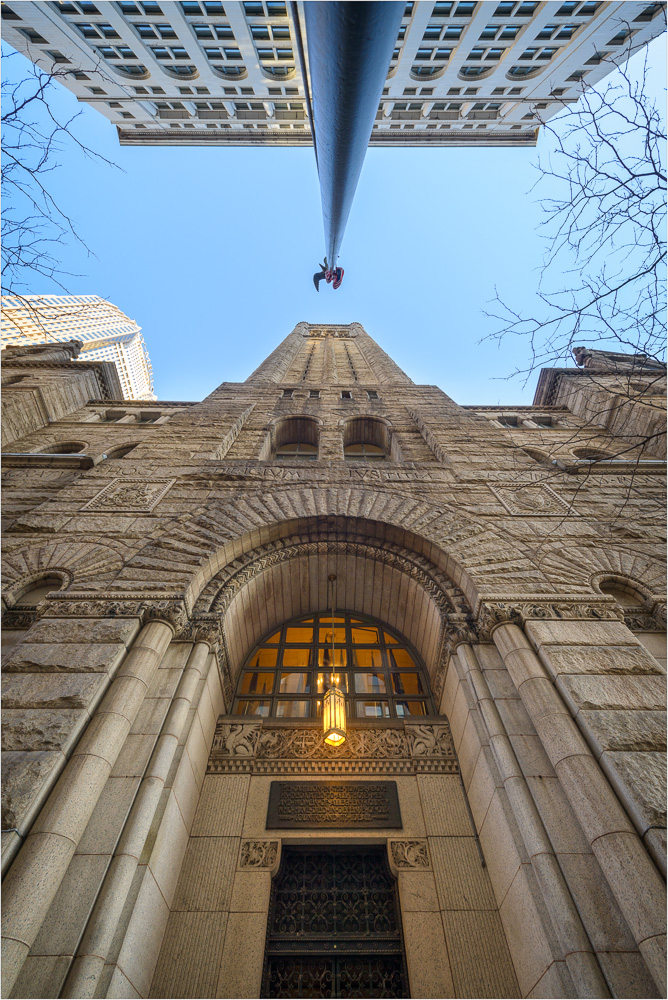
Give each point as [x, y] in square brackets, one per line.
[496, 613]
[431, 741]
[409, 749]
[406, 855]
[310, 743]
[258, 854]
[203, 629]
[236, 740]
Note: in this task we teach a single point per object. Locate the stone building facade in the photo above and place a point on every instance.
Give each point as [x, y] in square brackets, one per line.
[174, 824]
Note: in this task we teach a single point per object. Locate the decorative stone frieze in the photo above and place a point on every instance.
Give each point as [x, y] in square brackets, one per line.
[493, 613]
[409, 855]
[639, 622]
[258, 749]
[172, 610]
[258, 854]
[531, 500]
[138, 496]
[16, 619]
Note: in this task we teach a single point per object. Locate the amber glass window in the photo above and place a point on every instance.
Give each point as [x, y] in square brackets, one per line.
[288, 673]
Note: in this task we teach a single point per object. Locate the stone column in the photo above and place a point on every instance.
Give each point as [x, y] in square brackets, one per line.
[576, 947]
[33, 879]
[103, 923]
[633, 877]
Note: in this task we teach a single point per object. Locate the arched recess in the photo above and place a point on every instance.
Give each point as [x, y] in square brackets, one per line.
[290, 577]
[79, 564]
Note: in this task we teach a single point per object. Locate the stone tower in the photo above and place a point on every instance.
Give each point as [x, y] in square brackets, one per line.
[174, 823]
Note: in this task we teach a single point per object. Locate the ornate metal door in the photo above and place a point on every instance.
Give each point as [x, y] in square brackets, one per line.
[334, 926]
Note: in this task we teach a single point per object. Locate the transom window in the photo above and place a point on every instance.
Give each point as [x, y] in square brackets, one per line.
[363, 452]
[288, 673]
[296, 449]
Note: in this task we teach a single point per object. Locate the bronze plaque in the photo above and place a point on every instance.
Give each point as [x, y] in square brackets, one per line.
[348, 805]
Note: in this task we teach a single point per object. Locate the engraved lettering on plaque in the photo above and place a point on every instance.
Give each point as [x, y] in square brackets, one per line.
[333, 804]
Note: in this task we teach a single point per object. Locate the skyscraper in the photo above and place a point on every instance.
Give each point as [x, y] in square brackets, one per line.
[208, 73]
[106, 333]
[483, 589]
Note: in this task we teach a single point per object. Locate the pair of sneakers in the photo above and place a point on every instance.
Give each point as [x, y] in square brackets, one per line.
[335, 277]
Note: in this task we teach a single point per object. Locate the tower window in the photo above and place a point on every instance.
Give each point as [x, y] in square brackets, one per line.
[362, 452]
[372, 394]
[346, 394]
[314, 394]
[288, 393]
[296, 449]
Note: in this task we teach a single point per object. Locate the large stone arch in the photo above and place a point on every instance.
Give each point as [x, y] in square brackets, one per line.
[289, 576]
[475, 554]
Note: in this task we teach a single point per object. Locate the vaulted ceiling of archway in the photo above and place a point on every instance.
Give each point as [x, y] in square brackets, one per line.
[281, 581]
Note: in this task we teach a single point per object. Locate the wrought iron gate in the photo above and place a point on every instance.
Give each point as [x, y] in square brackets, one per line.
[334, 926]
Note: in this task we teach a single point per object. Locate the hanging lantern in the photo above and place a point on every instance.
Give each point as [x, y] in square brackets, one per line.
[334, 715]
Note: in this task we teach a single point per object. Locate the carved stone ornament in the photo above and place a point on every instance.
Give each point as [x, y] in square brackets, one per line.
[19, 619]
[203, 629]
[496, 613]
[640, 622]
[171, 610]
[531, 500]
[258, 749]
[133, 495]
[409, 855]
[258, 854]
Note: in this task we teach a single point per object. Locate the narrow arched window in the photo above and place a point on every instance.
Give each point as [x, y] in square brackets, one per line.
[296, 438]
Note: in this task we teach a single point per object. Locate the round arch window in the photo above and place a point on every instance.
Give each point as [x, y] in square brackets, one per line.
[287, 674]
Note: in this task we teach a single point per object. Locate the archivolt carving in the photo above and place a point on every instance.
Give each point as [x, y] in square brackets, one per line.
[445, 595]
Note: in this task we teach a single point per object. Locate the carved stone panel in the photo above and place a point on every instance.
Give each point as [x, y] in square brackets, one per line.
[258, 854]
[134, 495]
[252, 747]
[408, 855]
[531, 500]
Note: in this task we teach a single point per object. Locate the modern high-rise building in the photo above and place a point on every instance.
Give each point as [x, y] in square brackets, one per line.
[203, 72]
[106, 333]
[478, 592]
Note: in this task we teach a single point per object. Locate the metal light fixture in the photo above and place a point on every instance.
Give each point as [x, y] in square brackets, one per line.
[334, 702]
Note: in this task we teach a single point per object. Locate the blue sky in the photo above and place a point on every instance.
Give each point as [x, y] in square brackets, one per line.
[211, 251]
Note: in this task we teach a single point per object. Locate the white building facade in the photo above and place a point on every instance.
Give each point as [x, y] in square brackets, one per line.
[203, 72]
[106, 333]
